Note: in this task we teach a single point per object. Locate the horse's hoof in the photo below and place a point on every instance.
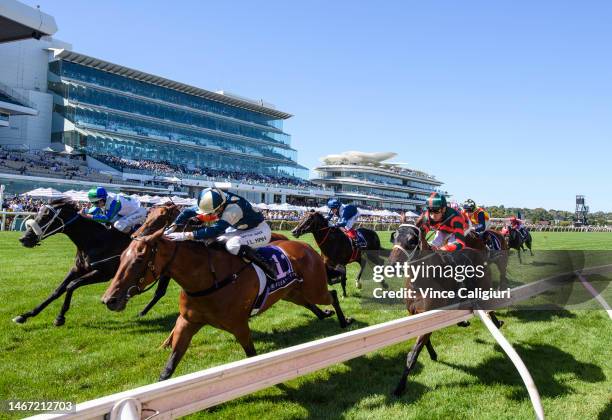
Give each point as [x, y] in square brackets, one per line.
[434, 357]
[358, 284]
[348, 322]
[328, 312]
[463, 324]
[59, 321]
[141, 314]
[501, 324]
[20, 319]
[399, 391]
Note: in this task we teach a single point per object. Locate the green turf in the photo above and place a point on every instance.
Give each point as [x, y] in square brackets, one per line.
[99, 352]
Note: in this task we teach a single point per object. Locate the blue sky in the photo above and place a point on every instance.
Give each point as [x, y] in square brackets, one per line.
[506, 102]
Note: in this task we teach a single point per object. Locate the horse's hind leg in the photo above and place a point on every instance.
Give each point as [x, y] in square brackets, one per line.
[298, 299]
[344, 321]
[181, 337]
[496, 321]
[56, 294]
[432, 353]
[362, 264]
[89, 278]
[410, 362]
[160, 292]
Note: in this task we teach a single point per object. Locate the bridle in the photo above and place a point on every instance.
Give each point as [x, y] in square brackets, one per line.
[41, 232]
[151, 268]
[416, 249]
[302, 229]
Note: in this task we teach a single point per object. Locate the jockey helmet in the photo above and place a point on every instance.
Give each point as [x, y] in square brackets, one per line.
[513, 219]
[436, 201]
[334, 203]
[469, 205]
[96, 194]
[211, 200]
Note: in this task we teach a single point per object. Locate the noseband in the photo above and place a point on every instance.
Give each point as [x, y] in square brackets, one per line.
[419, 247]
[41, 232]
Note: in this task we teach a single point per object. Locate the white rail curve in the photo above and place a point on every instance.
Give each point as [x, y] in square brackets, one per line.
[200, 390]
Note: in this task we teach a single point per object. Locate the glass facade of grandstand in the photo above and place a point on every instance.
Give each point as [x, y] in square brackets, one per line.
[106, 114]
[390, 188]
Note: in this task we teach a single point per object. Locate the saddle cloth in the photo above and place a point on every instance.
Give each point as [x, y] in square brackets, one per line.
[285, 275]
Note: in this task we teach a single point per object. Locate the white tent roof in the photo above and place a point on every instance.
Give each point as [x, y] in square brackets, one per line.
[44, 193]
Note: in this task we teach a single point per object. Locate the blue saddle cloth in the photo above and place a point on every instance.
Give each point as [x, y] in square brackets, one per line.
[285, 274]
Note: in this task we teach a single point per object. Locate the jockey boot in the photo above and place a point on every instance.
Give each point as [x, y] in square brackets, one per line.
[249, 254]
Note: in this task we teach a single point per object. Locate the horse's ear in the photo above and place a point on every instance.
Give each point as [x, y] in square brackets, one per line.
[392, 239]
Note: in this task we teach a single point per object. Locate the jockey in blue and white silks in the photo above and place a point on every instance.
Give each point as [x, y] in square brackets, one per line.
[347, 215]
[123, 212]
[235, 223]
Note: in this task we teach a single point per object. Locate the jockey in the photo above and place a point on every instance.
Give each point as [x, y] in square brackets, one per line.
[347, 215]
[478, 216]
[235, 223]
[448, 224]
[123, 212]
[518, 224]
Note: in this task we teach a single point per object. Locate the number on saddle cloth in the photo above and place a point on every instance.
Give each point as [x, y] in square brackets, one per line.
[285, 274]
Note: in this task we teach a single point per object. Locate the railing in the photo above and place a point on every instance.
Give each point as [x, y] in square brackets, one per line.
[16, 219]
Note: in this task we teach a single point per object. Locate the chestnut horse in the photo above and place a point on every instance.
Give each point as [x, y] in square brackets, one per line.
[219, 289]
[160, 217]
[410, 245]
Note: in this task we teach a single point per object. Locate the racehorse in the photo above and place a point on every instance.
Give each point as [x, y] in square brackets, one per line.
[499, 258]
[336, 247]
[516, 241]
[410, 245]
[159, 217]
[218, 289]
[97, 257]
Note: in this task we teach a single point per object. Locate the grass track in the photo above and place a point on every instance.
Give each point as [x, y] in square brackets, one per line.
[98, 352]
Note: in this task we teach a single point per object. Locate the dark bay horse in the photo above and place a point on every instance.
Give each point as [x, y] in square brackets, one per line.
[219, 289]
[499, 258]
[336, 247]
[410, 245]
[97, 257]
[516, 241]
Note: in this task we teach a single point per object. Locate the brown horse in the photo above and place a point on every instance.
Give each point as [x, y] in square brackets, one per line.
[410, 245]
[499, 258]
[336, 247]
[159, 217]
[219, 289]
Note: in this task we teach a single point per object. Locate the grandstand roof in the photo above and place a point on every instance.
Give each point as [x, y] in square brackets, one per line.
[358, 157]
[18, 21]
[226, 98]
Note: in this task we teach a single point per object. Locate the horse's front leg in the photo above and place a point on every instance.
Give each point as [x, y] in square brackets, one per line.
[92, 277]
[411, 362]
[74, 273]
[179, 339]
[160, 291]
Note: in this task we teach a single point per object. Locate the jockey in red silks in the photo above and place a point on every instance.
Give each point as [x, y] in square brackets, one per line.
[449, 225]
[518, 224]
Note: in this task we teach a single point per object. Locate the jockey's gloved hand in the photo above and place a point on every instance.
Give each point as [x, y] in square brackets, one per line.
[180, 236]
[170, 229]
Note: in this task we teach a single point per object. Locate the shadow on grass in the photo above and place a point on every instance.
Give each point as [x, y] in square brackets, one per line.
[373, 378]
[527, 315]
[544, 362]
[606, 413]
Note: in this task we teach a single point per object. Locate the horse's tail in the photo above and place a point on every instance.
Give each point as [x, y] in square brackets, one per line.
[168, 341]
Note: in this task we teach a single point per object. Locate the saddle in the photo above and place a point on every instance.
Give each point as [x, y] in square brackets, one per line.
[285, 275]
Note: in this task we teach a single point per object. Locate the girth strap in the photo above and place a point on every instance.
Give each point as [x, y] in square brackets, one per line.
[218, 285]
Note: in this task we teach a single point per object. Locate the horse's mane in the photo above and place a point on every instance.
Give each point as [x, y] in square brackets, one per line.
[64, 201]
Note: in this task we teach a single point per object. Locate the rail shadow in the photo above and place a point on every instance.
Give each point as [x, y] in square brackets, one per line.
[545, 363]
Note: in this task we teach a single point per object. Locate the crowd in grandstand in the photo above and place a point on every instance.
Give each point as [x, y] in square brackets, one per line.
[169, 169]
